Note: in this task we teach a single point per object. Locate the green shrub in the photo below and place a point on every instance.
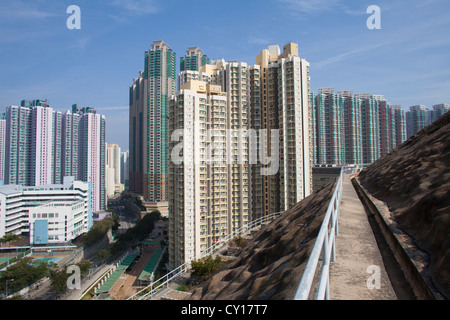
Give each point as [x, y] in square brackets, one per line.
[183, 287]
[98, 231]
[205, 267]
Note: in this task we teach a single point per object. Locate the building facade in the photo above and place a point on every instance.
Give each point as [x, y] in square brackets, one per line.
[199, 209]
[419, 116]
[252, 114]
[284, 106]
[113, 170]
[42, 146]
[193, 59]
[354, 128]
[51, 214]
[2, 147]
[124, 167]
[149, 99]
[210, 195]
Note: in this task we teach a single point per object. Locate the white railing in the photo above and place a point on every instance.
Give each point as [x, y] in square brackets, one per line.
[325, 244]
[325, 241]
[176, 273]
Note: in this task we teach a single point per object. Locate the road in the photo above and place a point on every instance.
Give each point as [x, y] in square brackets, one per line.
[127, 220]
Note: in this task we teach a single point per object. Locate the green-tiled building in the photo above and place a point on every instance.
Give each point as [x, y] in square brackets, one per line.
[149, 97]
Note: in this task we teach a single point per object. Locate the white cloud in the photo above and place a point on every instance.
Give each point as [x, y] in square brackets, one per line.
[20, 10]
[259, 41]
[360, 50]
[138, 7]
[310, 6]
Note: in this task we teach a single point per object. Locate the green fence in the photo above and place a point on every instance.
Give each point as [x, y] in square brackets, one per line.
[6, 261]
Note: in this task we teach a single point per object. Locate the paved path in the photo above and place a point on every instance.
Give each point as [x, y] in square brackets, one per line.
[127, 284]
[358, 272]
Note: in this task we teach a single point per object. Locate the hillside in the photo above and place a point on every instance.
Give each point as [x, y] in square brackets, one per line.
[270, 266]
[414, 181]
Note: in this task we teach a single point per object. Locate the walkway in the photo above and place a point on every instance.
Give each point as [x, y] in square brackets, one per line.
[358, 272]
[128, 284]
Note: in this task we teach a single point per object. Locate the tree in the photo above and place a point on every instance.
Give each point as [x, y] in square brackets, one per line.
[9, 237]
[103, 254]
[98, 231]
[22, 274]
[58, 276]
[58, 280]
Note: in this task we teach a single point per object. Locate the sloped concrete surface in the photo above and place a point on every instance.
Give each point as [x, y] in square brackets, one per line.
[358, 272]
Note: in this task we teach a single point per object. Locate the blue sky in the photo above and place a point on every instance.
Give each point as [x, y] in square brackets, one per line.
[407, 60]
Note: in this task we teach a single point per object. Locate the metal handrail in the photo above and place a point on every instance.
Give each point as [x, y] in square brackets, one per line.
[325, 240]
[325, 244]
[177, 272]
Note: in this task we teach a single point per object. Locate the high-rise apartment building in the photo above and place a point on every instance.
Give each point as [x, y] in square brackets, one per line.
[284, 106]
[43, 146]
[210, 189]
[30, 144]
[256, 186]
[199, 209]
[353, 134]
[193, 59]
[439, 110]
[400, 124]
[387, 127]
[370, 114]
[113, 169]
[331, 138]
[417, 118]
[2, 146]
[92, 155]
[232, 77]
[368, 125]
[295, 129]
[70, 143]
[149, 99]
[124, 167]
[266, 188]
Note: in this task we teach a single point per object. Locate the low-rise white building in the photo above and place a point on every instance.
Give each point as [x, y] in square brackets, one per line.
[51, 214]
[57, 222]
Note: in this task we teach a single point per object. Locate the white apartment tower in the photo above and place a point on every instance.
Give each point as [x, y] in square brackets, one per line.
[284, 106]
[295, 130]
[42, 146]
[199, 210]
[113, 169]
[209, 189]
[31, 143]
[210, 199]
[91, 159]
